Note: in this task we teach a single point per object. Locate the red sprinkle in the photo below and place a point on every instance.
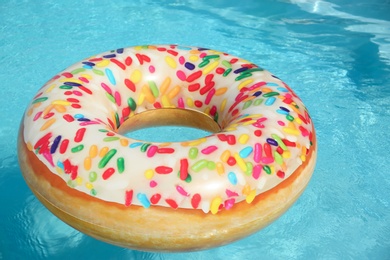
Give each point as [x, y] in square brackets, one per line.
[80, 135]
[267, 150]
[67, 166]
[193, 87]
[280, 174]
[86, 90]
[130, 85]
[68, 118]
[183, 169]
[128, 61]
[172, 203]
[231, 139]
[258, 133]
[198, 103]
[165, 150]
[118, 63]
[74, 172]
[128, 197]
[163, 169]
[195, 200]
[108, 173]
[155, 198]
[231, 161]
[194, 76]
[64, 146]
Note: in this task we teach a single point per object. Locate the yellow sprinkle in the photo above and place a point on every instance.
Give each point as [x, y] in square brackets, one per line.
[173, 93]
[221, 91]
[190, 102]
[246, 190]
[87, 76]
[249, 122]
[124, 142]
[87, 163]
[136, 76]
[284, 167]
[251, 196]
[103, 63]
[29, 146]
[298, 120]
[197, 142]
[141, 99]
[149, 174]
[165, 85]
[47, 110]
[61, 102]
[230, 129]
[79, 180]
[59, 170]
[148, 94]
[303, 158]
[245, 83]
[286, 154]
[47, 124]
[89, 186]
[210, 67]
[50, 88]
[223, 105]
[272, 169]
[207, 111]
[171, 62]
[290, 131]
[240, 162]
[103, 151]
[72, 80]
[165, 101]
[220, 168]
[93, 151]
[225, 156]
[60, 108]
[215, 205]
[194, 58]
[292, 106]
[243, 139]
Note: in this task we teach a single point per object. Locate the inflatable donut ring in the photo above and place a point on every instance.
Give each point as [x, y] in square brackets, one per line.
[171, 196]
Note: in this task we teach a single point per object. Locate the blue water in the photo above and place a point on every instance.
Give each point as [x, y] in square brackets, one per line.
[335, 54]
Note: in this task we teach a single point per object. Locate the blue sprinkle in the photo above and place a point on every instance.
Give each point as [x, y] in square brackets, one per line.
[74, 84]
[232, 178]
[54, 146]
[240, 70]
[282, 112]
[189, 66]
[143, 199]
[88, 67]
[246, 152]
[272, 142]
[83, 119]
[110, 76]
[183, 48]
[270, 101]
[133, 145]
[108, 56]
[272, 84]
[285, 109]
[91, 64]
[120, 50]
[282, 89]
[78, 116]
[257, 93]
[60, 165]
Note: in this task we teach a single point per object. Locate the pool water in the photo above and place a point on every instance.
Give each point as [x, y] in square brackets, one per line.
[335, 54]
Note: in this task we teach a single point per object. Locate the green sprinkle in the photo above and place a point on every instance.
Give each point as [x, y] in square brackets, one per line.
[120, 162]
[279, 141]
[65, 87]
[132, 104]
[77, 148]
[71, 184]
[290, 118]
[271, 94]
[98, 72]
[110, 97]
[193, 153]
[243, 76]
[208, 57]
[41, 99]
[144, 147]
[226, 64]
[249, 168]
[111, 138]
[278, 158]
[153, 88]
[103, 130]
[227, 72]
[92, 176]
[267, 169]
[203, 63]
[103, 162]
[118, 124]
[258, 101]
[93, 192]
[188, 179]
[254, 70]
[211, 165]
[247, 104]
[216, 117]
[199, 165]
[77, 71]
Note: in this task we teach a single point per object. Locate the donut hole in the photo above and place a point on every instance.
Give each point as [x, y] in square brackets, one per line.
[168, 122]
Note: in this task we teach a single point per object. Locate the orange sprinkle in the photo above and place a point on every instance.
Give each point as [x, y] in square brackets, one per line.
[165, 85]
[124, 142]
[47, 124]
[220, 168]
[225, 156]
[148, 94]
[87, 163]
[173, 93]
[221, 91]
[103, 151]
[60, 108]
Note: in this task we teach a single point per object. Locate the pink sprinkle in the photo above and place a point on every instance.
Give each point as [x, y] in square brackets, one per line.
[180, 103]
[89, 123]
[230, 193]
[49, 158]
[209, 149]
[229, 203]
[106, 88]
[84, 79]
[281, 123]
[181, 75]
[153, 184]
[77, 93]
[118, 99]
[152, 151]
[152, 69]
[209, 96]
[256, 171]
[181, 191]
[37, 115]
[257, 152]
[202, 55]
[182, 60]
[267, 160]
